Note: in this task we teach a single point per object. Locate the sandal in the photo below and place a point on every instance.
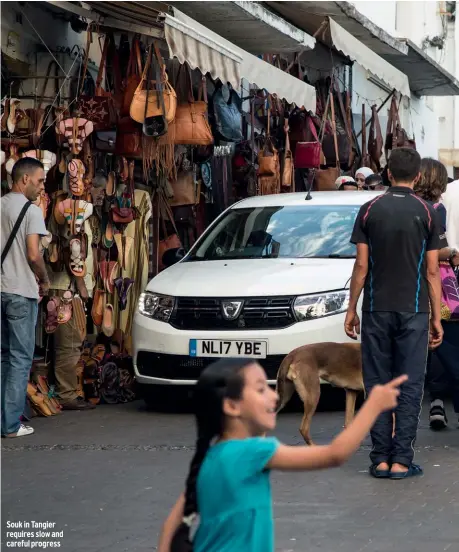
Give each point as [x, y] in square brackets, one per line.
[108, 326]
[76, 172]
[111, 184]
[124, 245]
[413, 471]
[123, 287]
[42, 385]
[64, 313]
[77, 257]
[46, 157]
[97, 311]
[52, 323]
[379, 474]
[75, 130]
[58, 212]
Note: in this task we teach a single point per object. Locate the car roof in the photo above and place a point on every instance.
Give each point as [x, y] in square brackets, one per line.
[298, 199]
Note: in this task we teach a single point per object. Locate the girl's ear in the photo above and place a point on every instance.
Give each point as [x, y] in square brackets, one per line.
[231, 408]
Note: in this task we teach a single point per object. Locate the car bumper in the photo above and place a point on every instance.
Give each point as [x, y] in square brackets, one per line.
[161, 352]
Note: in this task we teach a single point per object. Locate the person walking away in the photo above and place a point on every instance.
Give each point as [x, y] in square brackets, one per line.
[235, 407]
[397, 237]
[443, 363]
[22, 266]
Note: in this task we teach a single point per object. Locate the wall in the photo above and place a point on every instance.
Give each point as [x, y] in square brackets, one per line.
[21, 42]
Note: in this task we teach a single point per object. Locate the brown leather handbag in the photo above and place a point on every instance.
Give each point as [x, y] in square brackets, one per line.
[325, 179]
[184, 189]
[169, 240]
[129, 138]
[159, 98]
[308, 154]
[288, 170]
[375, 141]
[191, 126]
[366, 161]
[100, 108]
[396, 136]
[133, 77]
[268, 156]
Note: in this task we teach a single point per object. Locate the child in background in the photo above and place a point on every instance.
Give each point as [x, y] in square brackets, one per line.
[228, 483]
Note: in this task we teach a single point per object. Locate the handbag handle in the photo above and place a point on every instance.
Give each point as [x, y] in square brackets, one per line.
[312, 127]
[287, 135]
[335, 138]
[102, 65]
[135, 61]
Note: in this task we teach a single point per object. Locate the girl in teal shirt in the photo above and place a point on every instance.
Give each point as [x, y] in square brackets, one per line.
[228, 484]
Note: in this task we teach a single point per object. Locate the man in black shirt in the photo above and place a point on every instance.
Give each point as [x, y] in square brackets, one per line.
[397, 237]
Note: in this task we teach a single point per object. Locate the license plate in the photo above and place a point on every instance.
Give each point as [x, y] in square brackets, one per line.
[229, 348]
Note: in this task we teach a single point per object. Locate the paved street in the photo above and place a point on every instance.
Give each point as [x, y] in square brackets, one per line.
[108, 477]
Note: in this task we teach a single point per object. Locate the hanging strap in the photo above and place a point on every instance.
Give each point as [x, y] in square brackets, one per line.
[364, 134]
[312, 127]
[16, 227]
[102, 65]
[335, 138]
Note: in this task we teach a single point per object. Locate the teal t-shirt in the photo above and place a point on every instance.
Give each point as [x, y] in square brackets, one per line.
[234, 497]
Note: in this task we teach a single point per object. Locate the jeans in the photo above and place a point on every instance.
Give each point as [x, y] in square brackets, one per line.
[19, 317]
[395, 343]
[443, 367]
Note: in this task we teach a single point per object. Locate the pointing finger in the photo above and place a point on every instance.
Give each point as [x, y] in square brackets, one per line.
[398, 381]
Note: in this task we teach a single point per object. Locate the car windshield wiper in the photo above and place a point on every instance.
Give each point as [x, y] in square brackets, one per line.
[332, 256]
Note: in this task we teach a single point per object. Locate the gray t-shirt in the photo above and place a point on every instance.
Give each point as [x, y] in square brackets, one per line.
[17, 276]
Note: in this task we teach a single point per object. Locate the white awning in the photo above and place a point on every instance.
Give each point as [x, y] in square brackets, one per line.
[190, 41]
[357, 51]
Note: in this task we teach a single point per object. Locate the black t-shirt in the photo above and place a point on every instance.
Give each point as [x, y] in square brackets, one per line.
[398, 227]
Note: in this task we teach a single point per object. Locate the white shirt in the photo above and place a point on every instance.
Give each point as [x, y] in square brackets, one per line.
[450, 200]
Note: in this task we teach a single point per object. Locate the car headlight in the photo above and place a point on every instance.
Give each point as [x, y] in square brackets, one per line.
[308, 307]
[156, 306]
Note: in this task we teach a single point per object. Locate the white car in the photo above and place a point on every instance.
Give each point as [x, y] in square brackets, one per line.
[269, 275]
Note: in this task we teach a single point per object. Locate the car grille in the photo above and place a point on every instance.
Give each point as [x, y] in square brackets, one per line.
[178, 367]
[258, 313]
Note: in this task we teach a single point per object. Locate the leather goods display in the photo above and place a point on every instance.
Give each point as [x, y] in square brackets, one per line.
[365, 157]
[129, 138]
[159, 98]
[288, 170]
[268, 156]
[133, 77]
[375, 141]
[123, 209]
[99, 108]
[227, 114]
[343, 153]
[191, 126]
[308, 154]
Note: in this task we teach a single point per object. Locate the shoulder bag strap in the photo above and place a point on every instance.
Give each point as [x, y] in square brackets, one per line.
[100, 74]
[364, 135]
[16, 227]
[335, 139]
[312, 127]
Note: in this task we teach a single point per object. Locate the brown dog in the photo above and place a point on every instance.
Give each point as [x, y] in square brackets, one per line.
[337, 363]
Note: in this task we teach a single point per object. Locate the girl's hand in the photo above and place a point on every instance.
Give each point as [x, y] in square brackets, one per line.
[384, 397]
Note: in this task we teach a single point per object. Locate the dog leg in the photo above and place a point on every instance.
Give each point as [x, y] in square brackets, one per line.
[310, 397]
[351, 397]
[285, 389]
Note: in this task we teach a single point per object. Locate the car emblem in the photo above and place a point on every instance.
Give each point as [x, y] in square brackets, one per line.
[231, 309]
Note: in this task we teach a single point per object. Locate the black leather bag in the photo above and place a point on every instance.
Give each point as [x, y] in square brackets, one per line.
[227, 115]
[105, 140]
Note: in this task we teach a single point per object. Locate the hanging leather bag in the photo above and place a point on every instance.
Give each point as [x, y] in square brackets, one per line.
[227, 114]
[99, 108]
[268, 156]
[396, 136]
[308, 154]
[133, 77]
[191, 126]
[158, 99]
[288, 170]
[184, 190]
[170, 240]
[375, 141]
[325, 179]
[123, 208]
[340, 139]
[365, 157]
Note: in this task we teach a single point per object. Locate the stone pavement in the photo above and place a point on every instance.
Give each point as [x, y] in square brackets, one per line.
[108, 477]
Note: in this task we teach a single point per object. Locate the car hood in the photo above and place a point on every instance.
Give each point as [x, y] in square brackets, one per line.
[252, 277]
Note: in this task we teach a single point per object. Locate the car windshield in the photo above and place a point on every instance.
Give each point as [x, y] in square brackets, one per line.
[309, 231]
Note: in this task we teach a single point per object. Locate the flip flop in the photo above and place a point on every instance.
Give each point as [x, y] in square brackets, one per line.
[379, 474]
[52, 323]
[64, 312]
[77, 256]
[97, 311]
[82, 210]
[413, 471]
[108, 326]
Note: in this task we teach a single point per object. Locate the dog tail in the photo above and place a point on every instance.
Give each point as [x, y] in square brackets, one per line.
[284, 386]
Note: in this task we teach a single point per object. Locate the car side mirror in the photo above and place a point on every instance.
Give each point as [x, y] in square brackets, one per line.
[172, 256]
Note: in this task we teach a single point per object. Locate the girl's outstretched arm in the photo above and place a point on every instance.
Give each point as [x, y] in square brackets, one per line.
[382, 397]
[171, 524]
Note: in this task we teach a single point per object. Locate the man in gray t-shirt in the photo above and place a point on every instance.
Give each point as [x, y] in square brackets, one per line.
[22, 267]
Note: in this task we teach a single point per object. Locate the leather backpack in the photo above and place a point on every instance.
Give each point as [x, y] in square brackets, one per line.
[227, 114]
